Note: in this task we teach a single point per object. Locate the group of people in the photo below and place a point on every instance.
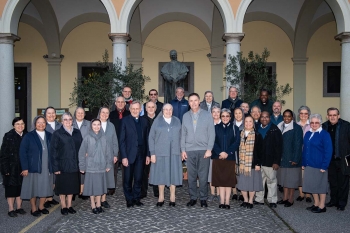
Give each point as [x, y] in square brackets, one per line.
[238, 149]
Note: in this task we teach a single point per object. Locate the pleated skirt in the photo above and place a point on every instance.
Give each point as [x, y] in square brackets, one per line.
[95, 184]
[166, 171]
[250, 183]
[290, 177]
[315, 181]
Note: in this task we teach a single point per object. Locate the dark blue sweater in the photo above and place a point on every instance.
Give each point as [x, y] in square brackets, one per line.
[226, 140]
[317, 151]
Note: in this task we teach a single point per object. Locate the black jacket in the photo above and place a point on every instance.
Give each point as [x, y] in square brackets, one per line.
[272, 147]
[114, 119]
[342, 142]
[9, 158]
[64, 150]
[227, 139]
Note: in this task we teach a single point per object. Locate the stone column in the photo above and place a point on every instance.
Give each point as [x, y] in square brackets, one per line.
[344, 38]
[233, 46]
[137, 62]
[217, 75]
[54, 81]
[7, 82]
[299, 82]
[119, 41]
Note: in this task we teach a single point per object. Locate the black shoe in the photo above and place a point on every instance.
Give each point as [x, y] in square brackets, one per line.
[241, 198]
[249, 206]
[95, 211]
[244, 204]
[20, 211]
[318, 210]
[308, 199]
[138, 203]
[129, 204]
[143, 196]
[222, 206]
[282, 202]
[300, 198]
[273, 205]
[204, 203]
[234, 197]
[160, 204]
[288, 204]
[191, 202]
[53, 202]
[12, 213]
[258, 203]
[44, 211]
[331, 204]
[105, 204]
[71, 210]
[35, 213]
[311, 207]
[172, 204]
[100, 210]
[64, 211]
[47, 204]
[341, 208]
[227, 206]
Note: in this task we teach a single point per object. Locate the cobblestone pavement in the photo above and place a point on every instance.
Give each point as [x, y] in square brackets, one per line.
[150, 218]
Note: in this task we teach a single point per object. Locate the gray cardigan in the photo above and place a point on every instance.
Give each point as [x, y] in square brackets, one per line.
[86, 162]
[112, 140]
[203, 138]
[84, 128]
[50, 129]
[203, 105]
[164, 139]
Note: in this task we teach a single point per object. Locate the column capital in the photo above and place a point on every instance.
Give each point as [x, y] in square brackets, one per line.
[119, 38]
[300, 60]
[53, 61]
[234, 38]
[217, 60]
[343, 37]
[8, 38]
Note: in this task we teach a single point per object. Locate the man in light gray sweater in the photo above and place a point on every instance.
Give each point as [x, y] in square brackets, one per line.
[197, 141]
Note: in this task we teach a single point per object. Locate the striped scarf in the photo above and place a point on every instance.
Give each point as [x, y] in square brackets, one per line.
[246, 149]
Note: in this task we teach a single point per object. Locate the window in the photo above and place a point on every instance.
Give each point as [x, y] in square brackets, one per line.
[188, 82]
[331, 79]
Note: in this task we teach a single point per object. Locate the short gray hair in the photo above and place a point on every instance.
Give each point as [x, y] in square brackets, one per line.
[259, 110]
[165, 105]
[225, 110]
[75, 112]
[135, 102]
[67, 114]
[215, 107]
[316, 115]
[152, 103]
[180, 88]
[303, 107]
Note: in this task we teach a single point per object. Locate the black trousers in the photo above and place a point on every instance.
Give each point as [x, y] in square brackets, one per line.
[339, 183]
[132, 180]
[145, 182]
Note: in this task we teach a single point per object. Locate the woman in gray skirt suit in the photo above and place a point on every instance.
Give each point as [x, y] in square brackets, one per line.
[250, 148]
[317, 154]
[36, 167]
[94, 155]
[164, 146]
[84, 126]
[112, 142]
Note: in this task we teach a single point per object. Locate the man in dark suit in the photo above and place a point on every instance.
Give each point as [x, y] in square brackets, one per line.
[153, 97]
[232, 101]
[134, 153]
[115, 118]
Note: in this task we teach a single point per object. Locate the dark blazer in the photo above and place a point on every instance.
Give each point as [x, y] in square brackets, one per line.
[272, 147]
[158, 110]
[227, 139]
[203, 105]
[128, 141]
[229, 105]
[9, 158]
[114, 119]
[30, 152]
[342, 142]
[65, 150]
[263, 107]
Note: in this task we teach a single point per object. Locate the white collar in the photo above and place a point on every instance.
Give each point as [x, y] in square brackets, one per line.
[318, 130]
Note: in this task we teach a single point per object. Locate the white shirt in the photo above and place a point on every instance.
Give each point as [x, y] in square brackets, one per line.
[239, 123]
[53, 125]
[41, 134]
[246, 133]
[104, 126]
[318, 130]
[79, 123]
[167, 120]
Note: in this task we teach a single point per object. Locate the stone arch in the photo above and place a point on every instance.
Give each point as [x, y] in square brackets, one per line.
[318, 23]
[341, 10]
[130, 6]
[271, 18]
[241, 11]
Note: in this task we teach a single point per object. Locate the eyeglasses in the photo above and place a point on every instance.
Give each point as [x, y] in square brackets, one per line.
[304, 113]
[225, 116]
[314, 123]
[68, 119]
[153, 94]
[334, 115]
[19, 124]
